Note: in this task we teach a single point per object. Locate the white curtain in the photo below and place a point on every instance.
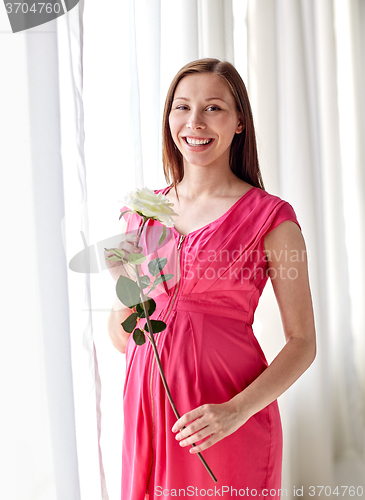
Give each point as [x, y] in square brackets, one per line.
[81, 101]
[38, 434]
[306, 71]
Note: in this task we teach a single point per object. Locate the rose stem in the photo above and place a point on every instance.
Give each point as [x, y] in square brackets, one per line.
[143, 298]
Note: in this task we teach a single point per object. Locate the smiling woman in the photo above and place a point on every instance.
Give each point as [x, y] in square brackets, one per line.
[203, 127]
[225, 93]
[219, 377]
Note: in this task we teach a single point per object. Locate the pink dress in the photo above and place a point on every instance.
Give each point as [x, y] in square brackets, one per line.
[209, 354]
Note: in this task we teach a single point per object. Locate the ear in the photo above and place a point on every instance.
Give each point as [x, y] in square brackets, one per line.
[241, 124]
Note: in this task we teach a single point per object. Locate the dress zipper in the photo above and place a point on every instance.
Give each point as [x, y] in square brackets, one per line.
[181, 239]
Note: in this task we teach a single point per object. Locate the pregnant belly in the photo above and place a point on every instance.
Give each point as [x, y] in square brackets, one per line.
[210, 357]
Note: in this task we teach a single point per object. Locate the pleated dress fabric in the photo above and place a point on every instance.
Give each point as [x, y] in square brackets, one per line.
[209, 354]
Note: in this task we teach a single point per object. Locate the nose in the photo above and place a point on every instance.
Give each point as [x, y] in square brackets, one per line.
[195, 120]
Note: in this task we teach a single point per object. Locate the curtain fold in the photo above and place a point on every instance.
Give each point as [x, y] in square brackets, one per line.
[216, 29]
[76, 237]
[303, 49]
[38, 437]
[48, 209]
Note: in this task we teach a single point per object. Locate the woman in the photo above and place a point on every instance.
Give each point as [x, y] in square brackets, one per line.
[231, 235]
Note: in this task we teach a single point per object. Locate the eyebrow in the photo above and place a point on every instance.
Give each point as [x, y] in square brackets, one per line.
[208, 99]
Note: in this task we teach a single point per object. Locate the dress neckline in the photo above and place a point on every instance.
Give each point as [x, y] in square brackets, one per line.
[216, 220]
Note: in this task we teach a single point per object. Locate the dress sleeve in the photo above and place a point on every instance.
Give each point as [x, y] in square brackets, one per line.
[285, 212]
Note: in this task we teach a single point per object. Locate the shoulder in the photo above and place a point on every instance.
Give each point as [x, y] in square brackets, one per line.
[284, 237]
[277, 210]
[281, 223]
[269, 198]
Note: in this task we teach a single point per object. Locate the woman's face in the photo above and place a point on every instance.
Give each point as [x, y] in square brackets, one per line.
[204, 119]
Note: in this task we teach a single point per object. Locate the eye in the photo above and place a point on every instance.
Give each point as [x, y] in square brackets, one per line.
[214, 108]
[181, 106]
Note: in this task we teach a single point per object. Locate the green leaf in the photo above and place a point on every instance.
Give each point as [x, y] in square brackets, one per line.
[157, 326]
[128, 291]
[138, 337]
[145, 281]
[140, 310]
[163, 235]
[136, 258]
[114, 257]
[161, 278]
[155, 266]
[151, 305]
[118, 252]
[125, 212]
[130, 323]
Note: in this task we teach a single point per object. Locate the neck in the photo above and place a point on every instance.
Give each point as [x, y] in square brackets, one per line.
[206, 181]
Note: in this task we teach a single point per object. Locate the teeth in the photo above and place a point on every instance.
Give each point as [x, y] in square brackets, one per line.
[197, 142]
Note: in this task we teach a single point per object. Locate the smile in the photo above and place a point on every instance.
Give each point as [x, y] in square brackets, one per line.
[197, 142]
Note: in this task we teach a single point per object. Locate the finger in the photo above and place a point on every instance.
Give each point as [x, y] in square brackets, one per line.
[192, 428]
[130, 243]
[187, 418]
[132, 238]
[110, 251]
[130, 248]
[205, 444]
[126, 247]
[195, 436]
[113, 264]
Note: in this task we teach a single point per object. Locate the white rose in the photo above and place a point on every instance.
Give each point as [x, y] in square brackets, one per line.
[151, 205]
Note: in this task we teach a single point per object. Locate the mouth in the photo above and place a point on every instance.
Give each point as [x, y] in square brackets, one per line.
[197, 142]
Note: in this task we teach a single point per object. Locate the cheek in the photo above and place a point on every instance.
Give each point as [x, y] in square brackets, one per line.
[229, 129]
[173, 125]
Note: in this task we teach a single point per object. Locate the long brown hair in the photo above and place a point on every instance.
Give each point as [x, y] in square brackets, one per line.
[243, 158]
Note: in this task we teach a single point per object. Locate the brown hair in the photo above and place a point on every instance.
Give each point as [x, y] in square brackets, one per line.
[243, 157]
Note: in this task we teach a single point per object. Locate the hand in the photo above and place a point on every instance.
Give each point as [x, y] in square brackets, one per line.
[117, 268]
[211, 421]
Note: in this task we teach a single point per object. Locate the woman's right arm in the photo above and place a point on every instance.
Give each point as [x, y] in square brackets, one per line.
[118, 336]
[119, 311]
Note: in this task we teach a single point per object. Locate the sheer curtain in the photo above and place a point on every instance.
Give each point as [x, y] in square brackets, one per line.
[81, 102]
[305, 74]
[301, 62]
[38, 436]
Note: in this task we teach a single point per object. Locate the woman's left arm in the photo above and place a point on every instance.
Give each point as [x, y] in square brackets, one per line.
[288, 270]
